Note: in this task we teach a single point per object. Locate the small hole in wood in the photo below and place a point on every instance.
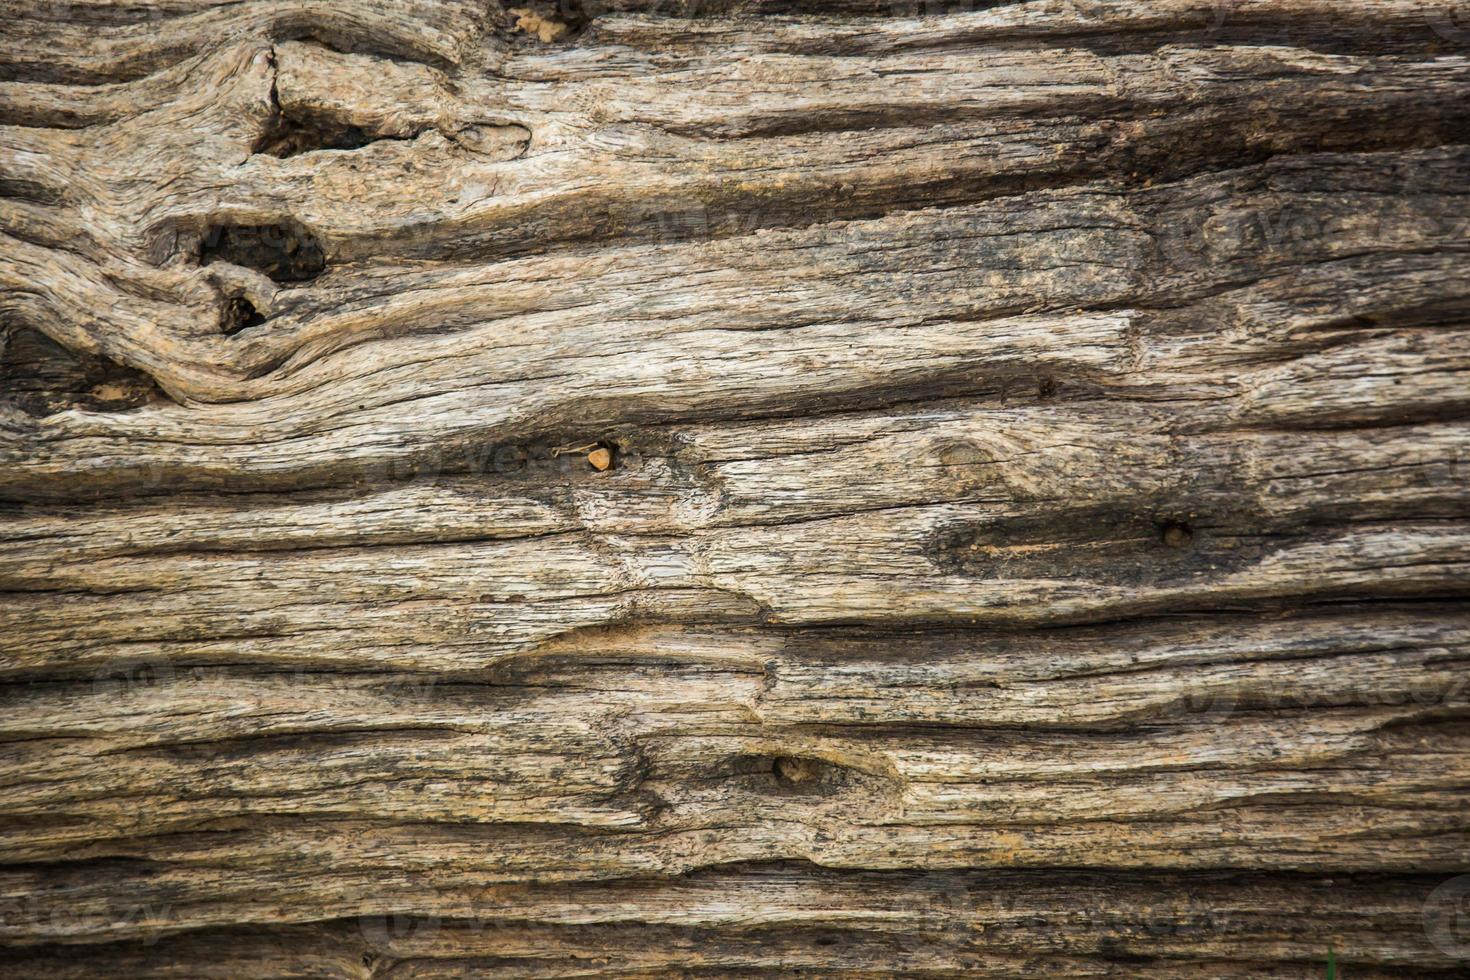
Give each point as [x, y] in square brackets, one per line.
[41, 377]
[1177, 535]
[795, 772]
[238, 314]
[550, 22]
[287, 136]
[284, 252]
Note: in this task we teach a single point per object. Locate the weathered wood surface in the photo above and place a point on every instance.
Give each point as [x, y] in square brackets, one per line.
[1034, 540]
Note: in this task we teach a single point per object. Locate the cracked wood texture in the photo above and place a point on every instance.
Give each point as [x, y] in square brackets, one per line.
[734, 488]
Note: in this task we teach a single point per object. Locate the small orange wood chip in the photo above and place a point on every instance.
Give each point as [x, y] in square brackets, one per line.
[600, 458]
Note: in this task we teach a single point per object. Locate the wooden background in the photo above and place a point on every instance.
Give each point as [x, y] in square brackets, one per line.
[735, 488]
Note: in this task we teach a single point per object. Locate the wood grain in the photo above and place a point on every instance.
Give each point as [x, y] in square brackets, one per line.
[734, 488]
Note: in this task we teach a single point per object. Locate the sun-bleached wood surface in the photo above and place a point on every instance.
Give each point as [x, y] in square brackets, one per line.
[734, 488]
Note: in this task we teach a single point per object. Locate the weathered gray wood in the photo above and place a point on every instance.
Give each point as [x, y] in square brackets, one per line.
[730, 490]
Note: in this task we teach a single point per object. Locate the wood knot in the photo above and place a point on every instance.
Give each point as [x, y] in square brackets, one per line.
[967, 465]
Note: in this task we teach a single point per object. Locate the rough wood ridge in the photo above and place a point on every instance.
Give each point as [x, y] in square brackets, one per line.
[734, 488]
